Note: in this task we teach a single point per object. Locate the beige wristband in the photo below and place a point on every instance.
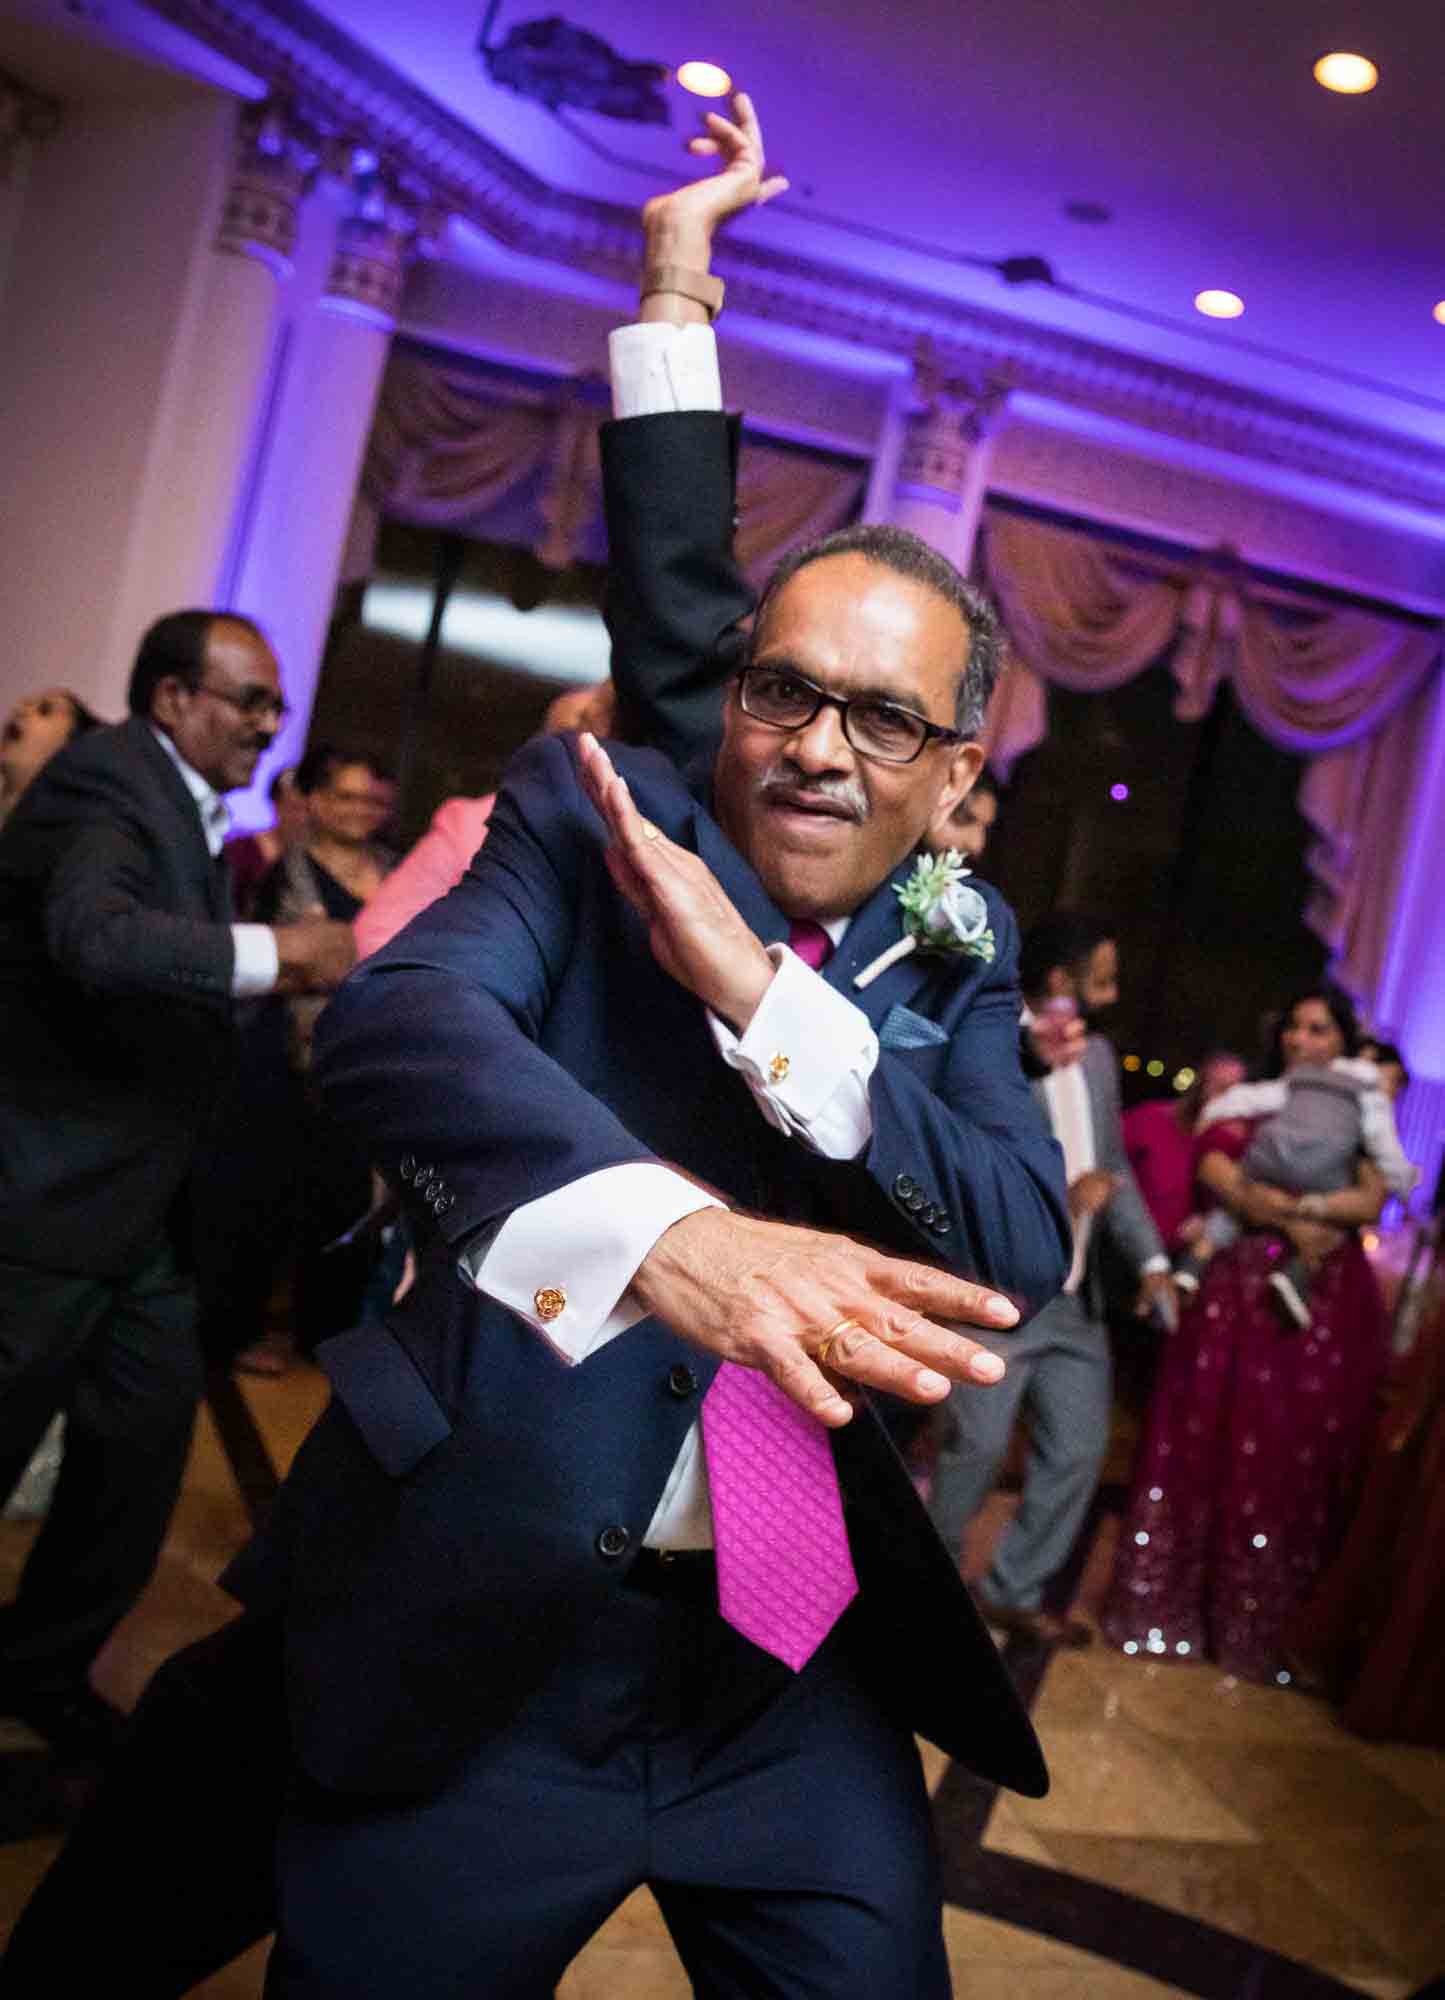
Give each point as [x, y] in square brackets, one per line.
[703, 289]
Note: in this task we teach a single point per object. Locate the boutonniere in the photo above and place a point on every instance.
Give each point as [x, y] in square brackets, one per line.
[941, 913]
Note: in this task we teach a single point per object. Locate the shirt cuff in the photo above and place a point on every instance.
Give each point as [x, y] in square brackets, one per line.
[658, 367]
[808, 1056]
[563, 1262]
[1153, 1264]
[258, 963]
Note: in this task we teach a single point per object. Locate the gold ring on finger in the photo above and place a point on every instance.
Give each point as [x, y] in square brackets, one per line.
[825, 1345]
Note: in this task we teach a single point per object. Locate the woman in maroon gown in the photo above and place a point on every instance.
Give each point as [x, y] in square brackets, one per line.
[1257, 1431]
[1374, 1634]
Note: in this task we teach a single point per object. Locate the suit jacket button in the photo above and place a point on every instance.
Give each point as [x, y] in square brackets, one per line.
[904, 1186]
[681, 1381]
[408, 1165]
[613, 1542]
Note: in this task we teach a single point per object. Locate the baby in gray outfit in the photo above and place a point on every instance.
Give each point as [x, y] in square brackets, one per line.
[1318, 1120]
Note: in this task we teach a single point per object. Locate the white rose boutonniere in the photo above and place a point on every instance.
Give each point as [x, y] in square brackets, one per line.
[941, 913]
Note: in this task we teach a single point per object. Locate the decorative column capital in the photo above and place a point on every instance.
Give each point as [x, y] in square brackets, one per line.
[374, 246]
[368, 270]
[25, 119]
[950, 418]
[275, 157]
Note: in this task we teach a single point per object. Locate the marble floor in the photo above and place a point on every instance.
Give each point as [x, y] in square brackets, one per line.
[1202, 1836]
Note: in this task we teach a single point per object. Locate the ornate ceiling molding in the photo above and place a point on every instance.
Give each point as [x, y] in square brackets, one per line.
[429, 155]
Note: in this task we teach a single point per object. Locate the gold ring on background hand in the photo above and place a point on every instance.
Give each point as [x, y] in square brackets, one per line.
[822, 1350]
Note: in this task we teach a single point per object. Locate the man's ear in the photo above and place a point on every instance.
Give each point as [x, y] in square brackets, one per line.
[963, 769]
[166, 698]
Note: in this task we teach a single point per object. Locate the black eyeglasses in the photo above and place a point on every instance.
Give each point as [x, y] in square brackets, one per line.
[255, 703]
[875, 728]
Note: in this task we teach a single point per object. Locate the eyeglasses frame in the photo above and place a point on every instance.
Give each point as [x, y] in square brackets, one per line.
[843, 703]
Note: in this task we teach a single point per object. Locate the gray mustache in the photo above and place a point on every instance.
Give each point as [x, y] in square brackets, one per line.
[846, 793]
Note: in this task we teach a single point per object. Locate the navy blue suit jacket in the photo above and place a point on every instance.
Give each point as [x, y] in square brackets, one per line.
[468, 1503]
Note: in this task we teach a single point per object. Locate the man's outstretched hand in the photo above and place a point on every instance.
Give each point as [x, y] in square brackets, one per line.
[794, 1301]
[693, 927]
[680, 225]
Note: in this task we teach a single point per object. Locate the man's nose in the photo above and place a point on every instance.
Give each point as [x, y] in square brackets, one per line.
[821, 745]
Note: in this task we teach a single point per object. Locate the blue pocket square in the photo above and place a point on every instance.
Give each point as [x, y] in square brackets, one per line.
[903, 1029]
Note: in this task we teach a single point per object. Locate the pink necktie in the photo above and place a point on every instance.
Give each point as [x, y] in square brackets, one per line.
[784, 1572]
[811, 942]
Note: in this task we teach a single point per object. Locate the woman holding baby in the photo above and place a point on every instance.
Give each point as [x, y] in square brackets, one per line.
[1259, 1422]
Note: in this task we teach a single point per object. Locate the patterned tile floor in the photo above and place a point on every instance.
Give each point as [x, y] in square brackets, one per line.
[1202, 1836]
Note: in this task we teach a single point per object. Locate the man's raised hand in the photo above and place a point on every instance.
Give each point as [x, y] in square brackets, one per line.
[794, 1302]
[680, 225]
[696, 934]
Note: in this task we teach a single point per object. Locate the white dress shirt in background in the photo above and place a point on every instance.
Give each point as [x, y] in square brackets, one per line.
[257, 962]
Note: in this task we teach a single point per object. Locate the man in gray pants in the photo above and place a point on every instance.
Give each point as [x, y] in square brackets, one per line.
[1058, 1362]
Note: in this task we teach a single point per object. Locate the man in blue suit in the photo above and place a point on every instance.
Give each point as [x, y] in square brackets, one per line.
[520, 1681]
[652, 1128]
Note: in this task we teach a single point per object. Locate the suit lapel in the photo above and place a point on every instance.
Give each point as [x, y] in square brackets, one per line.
[875, 927]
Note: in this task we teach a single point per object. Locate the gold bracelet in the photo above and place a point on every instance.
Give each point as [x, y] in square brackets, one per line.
[699, 286]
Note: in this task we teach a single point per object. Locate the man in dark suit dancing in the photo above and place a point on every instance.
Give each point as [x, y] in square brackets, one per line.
[118, 965]
[594, 1573]
[471, 1713]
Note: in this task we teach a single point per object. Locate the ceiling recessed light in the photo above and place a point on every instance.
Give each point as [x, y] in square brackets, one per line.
[1219, 305]
[1352, 76]
[1439, 312]
[704, 79]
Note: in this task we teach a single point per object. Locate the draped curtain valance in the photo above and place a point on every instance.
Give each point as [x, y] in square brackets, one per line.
[1345, 689]
[471, 452]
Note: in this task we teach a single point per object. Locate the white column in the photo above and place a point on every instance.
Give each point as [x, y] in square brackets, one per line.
[944, 441]
[108, 265]
[222, 404]
[296, 531]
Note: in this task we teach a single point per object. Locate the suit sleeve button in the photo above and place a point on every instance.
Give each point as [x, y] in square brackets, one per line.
[442, 1203]
[942, 1226]
[681, 1381]
[613, 1542]
[915, 1204]
[928, 1216]
[904, 1186]
[408, 1166]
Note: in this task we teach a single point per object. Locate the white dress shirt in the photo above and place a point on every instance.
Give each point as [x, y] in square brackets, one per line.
[587, 1239]
[257, 962]
[1066, 1096]
[1071, 1119]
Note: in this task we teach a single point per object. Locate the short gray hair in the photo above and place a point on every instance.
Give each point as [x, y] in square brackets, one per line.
[909, 556]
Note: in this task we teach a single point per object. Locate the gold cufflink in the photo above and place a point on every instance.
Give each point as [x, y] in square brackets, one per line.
[778, 1068]
[549, 1302]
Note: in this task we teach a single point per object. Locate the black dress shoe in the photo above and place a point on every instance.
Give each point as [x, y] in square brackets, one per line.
[79, 1725]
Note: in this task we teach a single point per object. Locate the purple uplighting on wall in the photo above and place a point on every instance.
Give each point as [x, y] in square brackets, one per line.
[1118, 793]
